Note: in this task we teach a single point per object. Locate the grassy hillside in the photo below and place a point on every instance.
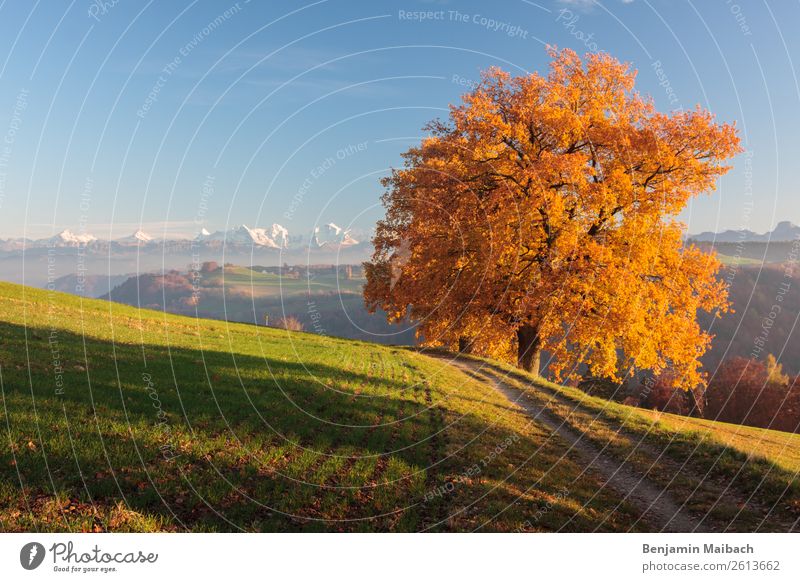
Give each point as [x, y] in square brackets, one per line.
[121, 419]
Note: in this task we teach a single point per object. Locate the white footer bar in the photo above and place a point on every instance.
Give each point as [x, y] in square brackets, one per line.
[355, 557]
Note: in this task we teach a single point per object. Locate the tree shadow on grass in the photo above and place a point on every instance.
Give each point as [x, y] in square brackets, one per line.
[102, 441]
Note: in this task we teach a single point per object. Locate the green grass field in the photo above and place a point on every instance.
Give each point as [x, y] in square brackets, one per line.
[739, 261]
[269, 284]
[120, 419]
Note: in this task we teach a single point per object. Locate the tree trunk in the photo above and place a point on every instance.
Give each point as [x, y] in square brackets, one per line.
[696, 404]
[464, 345]
[529, 348]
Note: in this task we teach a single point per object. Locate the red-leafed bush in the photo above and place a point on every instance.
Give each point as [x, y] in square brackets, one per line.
[755, 393]
[664, 395]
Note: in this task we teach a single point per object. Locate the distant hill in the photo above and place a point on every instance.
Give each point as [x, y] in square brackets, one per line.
[324, 299]
[783, 232]
[756, 328]
[89, 285]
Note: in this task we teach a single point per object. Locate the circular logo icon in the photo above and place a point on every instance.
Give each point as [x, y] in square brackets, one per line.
[31, 555]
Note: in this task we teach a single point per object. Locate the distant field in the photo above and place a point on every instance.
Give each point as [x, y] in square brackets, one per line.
[269, 284]
[734, 260]
[752, 252]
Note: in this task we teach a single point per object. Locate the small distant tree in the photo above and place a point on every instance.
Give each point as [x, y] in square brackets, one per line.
[209, 267]
[289, 323]
[775, 371]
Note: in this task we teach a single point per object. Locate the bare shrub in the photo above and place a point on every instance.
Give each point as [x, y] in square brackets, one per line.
[289, 323]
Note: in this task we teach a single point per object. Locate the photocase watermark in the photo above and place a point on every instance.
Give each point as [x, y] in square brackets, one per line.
[569, 21]
[67, 559]
[318, 171]
[206, 193]
[739, 17]
[767, 323]
[464, 82]
[162, 423]
[171, 67]
[53, 336]
[420, 15]
[84, 204]
[663, 81]
[747, 210]
[316, 318]
[92, 559]
[20, 105]
[647, 386]
[472, 471]
[100, 8]
[398, 261]
[543, 510]
[490, 24]
[31, 555]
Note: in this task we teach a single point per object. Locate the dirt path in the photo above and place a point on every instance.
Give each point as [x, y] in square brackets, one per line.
[718, 490]
[656, 506]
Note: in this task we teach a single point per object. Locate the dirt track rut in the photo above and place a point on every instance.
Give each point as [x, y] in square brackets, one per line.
[657, 508]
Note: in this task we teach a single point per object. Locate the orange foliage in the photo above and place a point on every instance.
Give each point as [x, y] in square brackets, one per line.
[542, 216]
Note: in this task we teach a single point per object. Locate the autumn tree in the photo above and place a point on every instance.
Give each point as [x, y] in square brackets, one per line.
[542, 216]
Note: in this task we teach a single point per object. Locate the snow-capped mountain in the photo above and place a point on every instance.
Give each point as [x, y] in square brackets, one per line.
[280, 235]
[244, 235]
[139, 237]
[332, 237]
[14, 244]
[783, 232]
[347, 240]
[325, 239]
[66, 238]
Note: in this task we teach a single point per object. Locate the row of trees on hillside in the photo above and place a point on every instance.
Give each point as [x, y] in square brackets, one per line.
[541, 216]
[741, 391]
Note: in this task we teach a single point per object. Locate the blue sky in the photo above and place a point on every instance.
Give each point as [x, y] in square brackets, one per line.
[120, 114]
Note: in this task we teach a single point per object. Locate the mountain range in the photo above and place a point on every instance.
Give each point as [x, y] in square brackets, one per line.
[330, 237]
[784, 231]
